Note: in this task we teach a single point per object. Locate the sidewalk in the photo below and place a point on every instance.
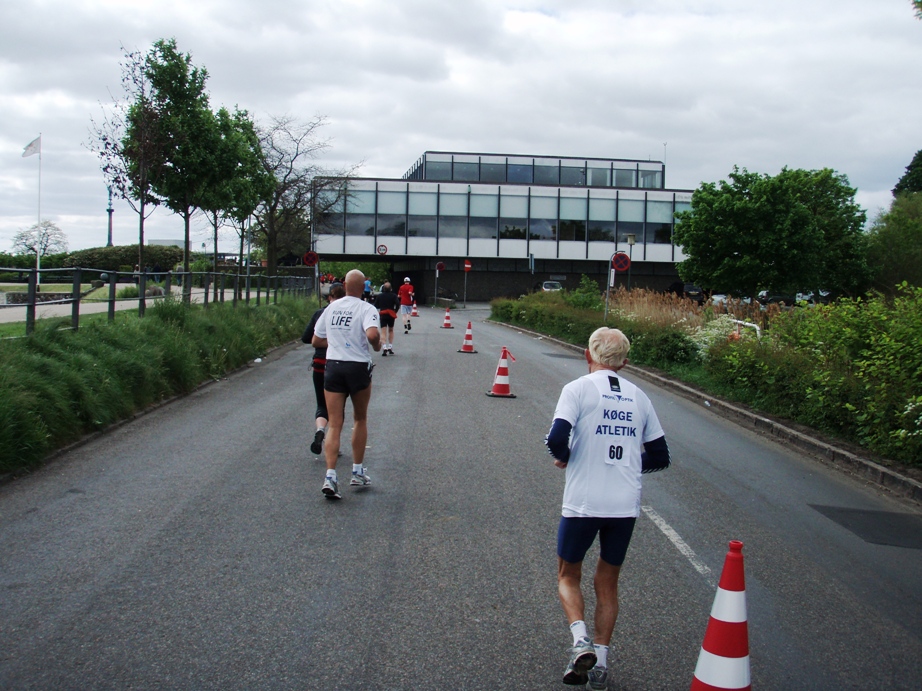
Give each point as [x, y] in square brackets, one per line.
[17, 313]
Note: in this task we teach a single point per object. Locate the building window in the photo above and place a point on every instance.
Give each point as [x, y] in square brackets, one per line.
[493, 172]
[466, 172]
[484, 215]
[438, 170]
[421, 226]
[513, 217]
[360, 224]
[573, 175]
[392, 225]
[599, 177]
[452, 215]
[625, 178]
[547, 175]
[651, 179]
[543, 218]
[517, 172]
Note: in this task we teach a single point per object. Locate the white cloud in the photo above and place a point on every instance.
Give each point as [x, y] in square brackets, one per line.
[759, 85]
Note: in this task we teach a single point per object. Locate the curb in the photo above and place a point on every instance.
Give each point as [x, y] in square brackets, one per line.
[864, 468]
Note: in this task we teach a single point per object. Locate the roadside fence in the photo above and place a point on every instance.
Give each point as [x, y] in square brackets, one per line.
[204, 287]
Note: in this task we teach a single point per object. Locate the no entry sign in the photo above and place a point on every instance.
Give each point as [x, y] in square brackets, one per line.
[467, 264]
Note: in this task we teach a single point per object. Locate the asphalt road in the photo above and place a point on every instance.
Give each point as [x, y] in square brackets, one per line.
[192, 548]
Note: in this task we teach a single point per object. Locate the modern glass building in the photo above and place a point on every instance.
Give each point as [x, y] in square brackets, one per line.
[468, 205]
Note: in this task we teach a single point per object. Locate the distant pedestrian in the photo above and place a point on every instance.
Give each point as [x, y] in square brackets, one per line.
[407, 297]
[347, 328]
[318, 366]
[157, 272]
[387, 304]
[616, 436]
[366, 290]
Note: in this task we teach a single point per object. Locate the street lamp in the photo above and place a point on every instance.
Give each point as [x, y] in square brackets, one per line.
[631, 241]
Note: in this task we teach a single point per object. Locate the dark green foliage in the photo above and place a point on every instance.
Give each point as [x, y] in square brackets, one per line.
[912, 178]
[111, 258]
[895, 243]
[58, 384]
[799, 230]
[587, 296]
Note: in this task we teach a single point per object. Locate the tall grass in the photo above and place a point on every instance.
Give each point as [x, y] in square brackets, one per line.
[59, 384]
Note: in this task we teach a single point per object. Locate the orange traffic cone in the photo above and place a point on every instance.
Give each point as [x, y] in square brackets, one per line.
[447, 323]
[468, 345]
[415, 312]
[501, 381]
[724, 659]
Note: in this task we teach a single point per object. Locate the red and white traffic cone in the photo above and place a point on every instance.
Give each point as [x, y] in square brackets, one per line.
[468, 345]
[447, 323]
[724, 659]
[501, 381]
[415, 312]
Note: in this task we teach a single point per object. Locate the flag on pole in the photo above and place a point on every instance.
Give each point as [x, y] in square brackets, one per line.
[34, 147]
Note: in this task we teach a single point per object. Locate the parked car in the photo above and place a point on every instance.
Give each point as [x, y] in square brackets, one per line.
[687, 290]
[551, 286]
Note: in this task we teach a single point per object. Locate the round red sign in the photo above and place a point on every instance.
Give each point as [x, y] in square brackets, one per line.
[620, 262]
[310, 258]
[440, 266]
[467, 265]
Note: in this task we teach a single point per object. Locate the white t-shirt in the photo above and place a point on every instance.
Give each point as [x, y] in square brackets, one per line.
[611, 419]
[343, 324]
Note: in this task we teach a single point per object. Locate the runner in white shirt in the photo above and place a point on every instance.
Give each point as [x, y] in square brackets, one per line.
[616, 436]
[347, 327]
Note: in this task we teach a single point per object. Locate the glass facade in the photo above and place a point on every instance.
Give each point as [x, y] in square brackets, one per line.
[439, 166]
[509, 206]
[452, 210]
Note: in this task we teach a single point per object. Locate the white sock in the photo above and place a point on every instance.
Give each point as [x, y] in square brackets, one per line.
[601, 653]
[578, 629]
[332, 474]
[357, 468]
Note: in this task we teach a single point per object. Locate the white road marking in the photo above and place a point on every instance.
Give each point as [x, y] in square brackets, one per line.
[680, 545]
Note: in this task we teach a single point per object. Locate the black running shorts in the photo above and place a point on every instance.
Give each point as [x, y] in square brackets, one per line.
[575, 536]
[344, 376]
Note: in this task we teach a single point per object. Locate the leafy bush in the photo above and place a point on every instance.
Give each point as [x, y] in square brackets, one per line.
[587, 296]
[852, 369]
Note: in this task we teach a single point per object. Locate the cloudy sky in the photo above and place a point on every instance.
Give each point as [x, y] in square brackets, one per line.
[703, 84]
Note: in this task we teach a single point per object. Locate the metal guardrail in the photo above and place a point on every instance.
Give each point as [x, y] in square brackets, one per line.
[246, 288]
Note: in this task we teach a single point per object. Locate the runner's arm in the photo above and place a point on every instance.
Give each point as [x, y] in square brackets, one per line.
[558, 440]
[655, 456]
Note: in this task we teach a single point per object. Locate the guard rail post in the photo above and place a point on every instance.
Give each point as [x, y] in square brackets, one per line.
[30, 301]
[113, 285]
[75, 299]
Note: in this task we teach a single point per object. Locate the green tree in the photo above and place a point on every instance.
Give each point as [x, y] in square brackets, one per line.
[238, 182]
[895, 244]
[129, 145]
[912, 178]
[917, 4]
[188, 130]
[797, 230]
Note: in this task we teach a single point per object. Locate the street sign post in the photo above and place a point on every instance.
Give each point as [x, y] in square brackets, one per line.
[467, 268]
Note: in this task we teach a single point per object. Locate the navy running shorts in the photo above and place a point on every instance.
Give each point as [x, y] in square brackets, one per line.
[575, 536]
[386, 320]
[344, 376]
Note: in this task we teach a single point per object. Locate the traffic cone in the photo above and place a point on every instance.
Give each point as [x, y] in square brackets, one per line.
[468, 345]
[415, 312]
[447, 323]
[501, 381]
[724, 659]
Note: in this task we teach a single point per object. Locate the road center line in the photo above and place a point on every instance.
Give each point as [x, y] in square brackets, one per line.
[680, 545]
